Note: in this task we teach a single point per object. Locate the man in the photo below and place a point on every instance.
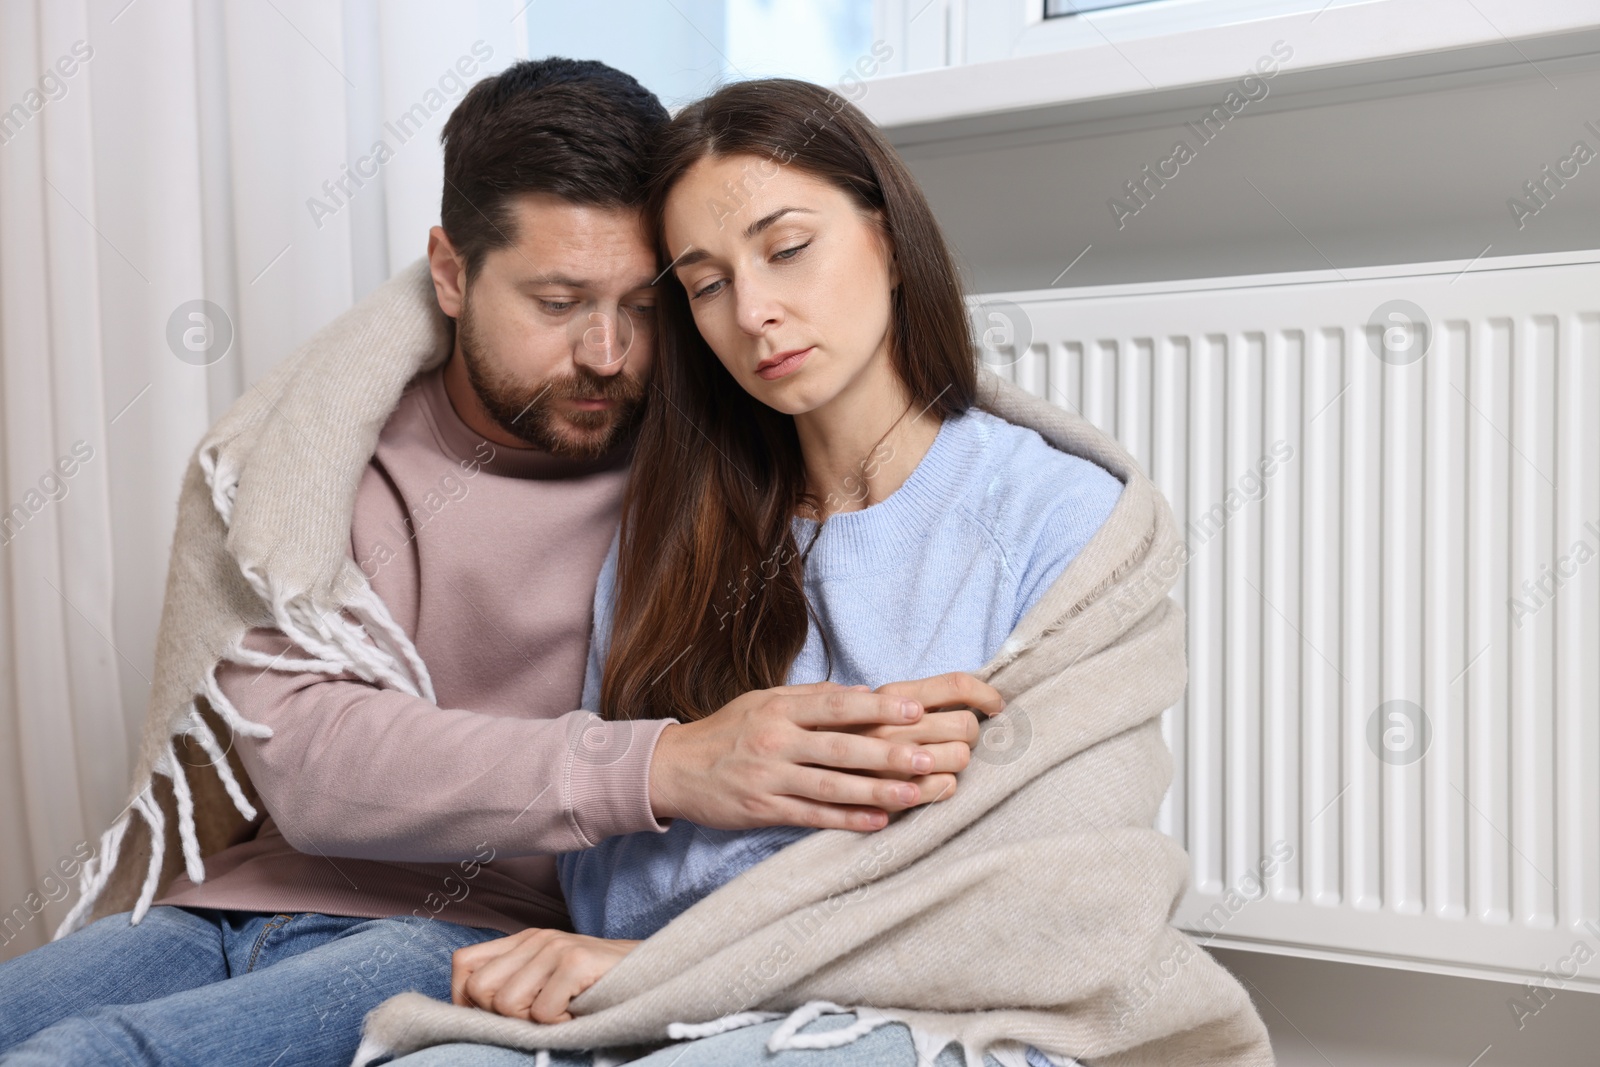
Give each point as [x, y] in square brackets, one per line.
[398, 829]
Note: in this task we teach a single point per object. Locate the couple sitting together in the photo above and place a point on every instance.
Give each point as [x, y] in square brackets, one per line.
[679, 425]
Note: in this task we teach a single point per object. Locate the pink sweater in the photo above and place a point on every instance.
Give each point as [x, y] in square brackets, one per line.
[382, 804]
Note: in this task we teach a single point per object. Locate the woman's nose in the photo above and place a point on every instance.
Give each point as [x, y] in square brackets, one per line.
[757, 312]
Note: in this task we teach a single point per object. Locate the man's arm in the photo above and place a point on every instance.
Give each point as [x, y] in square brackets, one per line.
[356, 770]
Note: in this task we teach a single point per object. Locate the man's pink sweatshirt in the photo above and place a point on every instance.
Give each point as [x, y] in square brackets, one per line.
[381, 804]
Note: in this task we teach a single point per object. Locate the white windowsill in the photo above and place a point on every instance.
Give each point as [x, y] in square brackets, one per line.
[1345, 44]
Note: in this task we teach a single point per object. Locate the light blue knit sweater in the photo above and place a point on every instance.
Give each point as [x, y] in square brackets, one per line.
[931, 579]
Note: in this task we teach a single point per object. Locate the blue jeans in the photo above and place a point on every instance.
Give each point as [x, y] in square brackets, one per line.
[198, 986]
[888, 1045]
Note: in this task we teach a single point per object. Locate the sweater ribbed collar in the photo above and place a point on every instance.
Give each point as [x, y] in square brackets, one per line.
[874, 538]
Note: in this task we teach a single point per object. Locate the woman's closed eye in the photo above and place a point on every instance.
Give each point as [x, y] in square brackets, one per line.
[783, 255]
[711, 288]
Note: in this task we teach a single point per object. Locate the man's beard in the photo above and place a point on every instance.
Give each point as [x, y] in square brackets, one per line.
[529, 413]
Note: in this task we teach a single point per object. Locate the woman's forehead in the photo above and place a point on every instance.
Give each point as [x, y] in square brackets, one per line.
[736, 197]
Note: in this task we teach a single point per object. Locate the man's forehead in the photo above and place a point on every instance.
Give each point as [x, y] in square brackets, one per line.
[554, 215]
[581, 246]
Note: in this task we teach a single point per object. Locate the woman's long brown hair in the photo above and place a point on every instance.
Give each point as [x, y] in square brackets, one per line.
[709, 599]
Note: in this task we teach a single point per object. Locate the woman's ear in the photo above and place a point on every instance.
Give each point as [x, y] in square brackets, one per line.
[882, 228]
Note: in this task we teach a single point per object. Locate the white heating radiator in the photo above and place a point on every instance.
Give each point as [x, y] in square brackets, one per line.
[1412, 538]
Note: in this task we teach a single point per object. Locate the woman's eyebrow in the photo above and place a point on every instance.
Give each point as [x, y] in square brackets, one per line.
[767, 220]
[693, 255]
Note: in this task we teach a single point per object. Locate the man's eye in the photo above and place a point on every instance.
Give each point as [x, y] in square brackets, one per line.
[642, 309]
[558, 305]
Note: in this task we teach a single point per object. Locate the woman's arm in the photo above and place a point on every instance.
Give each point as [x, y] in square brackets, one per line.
[534, 974]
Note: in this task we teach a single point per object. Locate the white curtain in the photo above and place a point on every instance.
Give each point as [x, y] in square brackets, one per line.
[153, 154]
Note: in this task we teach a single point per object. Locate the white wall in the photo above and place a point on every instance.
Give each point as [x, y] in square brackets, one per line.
[1396, 131]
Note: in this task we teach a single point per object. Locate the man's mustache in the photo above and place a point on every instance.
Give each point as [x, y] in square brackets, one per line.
[622, 386]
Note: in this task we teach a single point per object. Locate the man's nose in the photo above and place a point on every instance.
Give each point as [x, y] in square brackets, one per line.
[604, 343]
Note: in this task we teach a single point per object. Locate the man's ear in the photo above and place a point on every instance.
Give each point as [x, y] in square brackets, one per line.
[449, 272]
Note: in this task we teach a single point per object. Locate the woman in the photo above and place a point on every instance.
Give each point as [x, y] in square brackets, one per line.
[814, 496]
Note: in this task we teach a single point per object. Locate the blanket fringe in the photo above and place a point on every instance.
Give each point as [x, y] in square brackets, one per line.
[374, 648]
[222, 475]
[197, 728]
[695, 1031]
[928, 1044]
[373, 613]
[365, 647]
[369, 1051]
[96, 871]
[145, 804]
[224, 707]
[188, 836]
[251, 658]
[339, 645]
[788, 1034]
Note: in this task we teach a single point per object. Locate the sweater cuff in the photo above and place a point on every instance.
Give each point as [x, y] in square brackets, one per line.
[608, 777]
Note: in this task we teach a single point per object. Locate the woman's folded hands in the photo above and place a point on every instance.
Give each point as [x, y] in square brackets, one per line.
[533, 974]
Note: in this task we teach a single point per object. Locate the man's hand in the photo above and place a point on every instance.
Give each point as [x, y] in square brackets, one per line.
[532, 975]
[821, 755]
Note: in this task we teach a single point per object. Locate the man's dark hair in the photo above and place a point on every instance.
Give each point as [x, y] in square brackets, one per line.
[574, 128]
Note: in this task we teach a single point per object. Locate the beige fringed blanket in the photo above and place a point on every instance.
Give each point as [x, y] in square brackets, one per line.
[1029, 909]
